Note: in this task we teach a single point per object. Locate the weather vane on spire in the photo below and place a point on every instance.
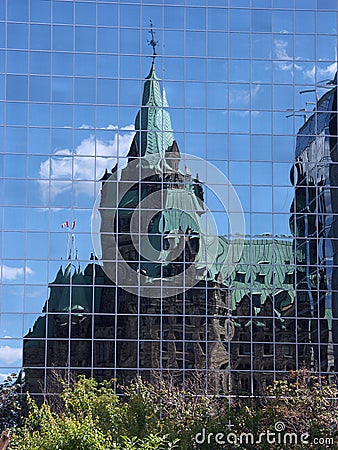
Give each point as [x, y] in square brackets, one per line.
[152, 42]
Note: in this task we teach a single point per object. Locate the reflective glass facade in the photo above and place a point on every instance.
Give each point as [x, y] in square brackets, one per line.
[168, 207]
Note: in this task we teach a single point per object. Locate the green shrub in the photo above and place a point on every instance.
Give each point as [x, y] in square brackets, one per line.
[163, 416]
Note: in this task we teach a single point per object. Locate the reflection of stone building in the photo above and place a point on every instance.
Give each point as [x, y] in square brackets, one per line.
[313, 223]
[91, 324]
[168, 310]
[61, 338]
[171, 334]
[263, 311]
[191, 331]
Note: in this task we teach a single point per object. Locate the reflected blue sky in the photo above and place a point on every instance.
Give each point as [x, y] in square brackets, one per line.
[71, 79]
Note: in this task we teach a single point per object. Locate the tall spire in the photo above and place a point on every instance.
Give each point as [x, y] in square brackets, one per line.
[154, 135]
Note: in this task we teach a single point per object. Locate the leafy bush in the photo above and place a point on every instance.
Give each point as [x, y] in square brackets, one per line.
[92, 418]
[163, 416]
[10, 402]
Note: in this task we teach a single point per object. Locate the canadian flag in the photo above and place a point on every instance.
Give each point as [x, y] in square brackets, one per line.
[73, 224]
[65, 225]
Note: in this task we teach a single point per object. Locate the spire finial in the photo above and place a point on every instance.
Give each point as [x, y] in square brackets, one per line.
[152, 42]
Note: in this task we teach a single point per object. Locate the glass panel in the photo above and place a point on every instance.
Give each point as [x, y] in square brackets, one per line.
[17, 35]
[85, 39]
[239, 19]
[239, 45]
[195, 95]
[15, 166]
[17, 11]
[304, 21]
[130, 42]
[195, 18]
[262, 20]
[40, 62]
[62, 89]
[62, 64]
[107, 14]
[11, 292]
[61, 138]
[217, 96]
[239, 70]
[38, 140]
[63, 38]
[195, 68]
[130, 15]
[40, 11]
[85, 13]
[85, 65]
[192, 38]
[39, 89]
[283, 21]
[16, 113]
[16, 140]
[262, 46]
[106, 91]
[17, 62]
[40, 37]
[63, 12]
[107, 40]
[62, 116]
[217, 18]
[17, 87]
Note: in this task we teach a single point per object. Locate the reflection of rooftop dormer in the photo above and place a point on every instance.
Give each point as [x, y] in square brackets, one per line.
[240, 276]
[260, 277]
[290, 277]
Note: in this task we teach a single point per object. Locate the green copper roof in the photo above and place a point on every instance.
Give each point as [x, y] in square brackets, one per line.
[154, 134]
[266, 268]
[74, 292]
[71, 291]
[181, 212]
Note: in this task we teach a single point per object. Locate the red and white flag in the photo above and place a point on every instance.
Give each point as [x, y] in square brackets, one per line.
[73, 224]
[65, 225]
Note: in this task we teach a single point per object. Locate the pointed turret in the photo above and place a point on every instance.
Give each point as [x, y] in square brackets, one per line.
[154, 135]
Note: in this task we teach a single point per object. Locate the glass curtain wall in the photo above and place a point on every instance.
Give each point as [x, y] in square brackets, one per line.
[168, 190]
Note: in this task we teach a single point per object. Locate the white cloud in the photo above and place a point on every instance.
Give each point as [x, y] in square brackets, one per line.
[88, 163]
[246, 113]
[326, 72]
[9, 355]
[12, 273]
[284, 60]
[110, 127]
[128, 127]
[240, 96]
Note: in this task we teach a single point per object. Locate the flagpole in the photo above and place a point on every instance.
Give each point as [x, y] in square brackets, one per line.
[71, 251]
[71, 245]
[67, 247]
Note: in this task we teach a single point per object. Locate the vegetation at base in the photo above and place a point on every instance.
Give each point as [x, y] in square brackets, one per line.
[90, 416]
[10, 402]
